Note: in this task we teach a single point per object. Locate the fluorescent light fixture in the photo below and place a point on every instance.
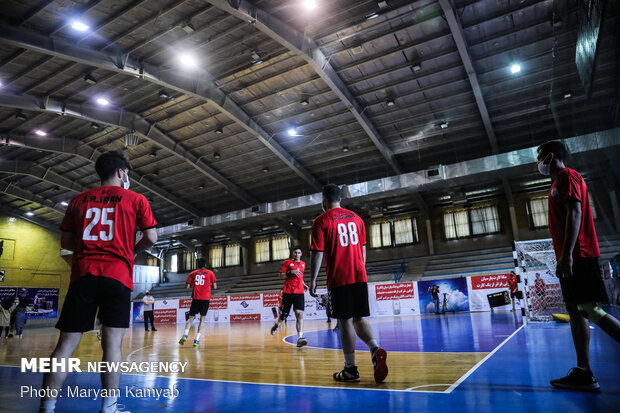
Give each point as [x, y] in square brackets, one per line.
[0, 84]
[416, 68]
[443, 125]
[345, 149]
[188, 60]
[94, 125]
[90, 79]
[292, 132]
[79, 26]
[219, 131]
[20, 116]
[217, 155]
[40, 132]
[255, 56]
[515, 68]
[310, 4]
[257, 62]
[64, 203]
[382, 4]
[30, 213]
[188, 27]
[265, 169]
[390, 102]
[372, 16]
[568, 95]
[304, 102]
[103, 101]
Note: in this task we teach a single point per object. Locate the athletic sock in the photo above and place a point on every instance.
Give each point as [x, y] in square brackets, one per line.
[108, 404]
[47, 406]
[349, 359]
[372, 344]
[300, 335]
[198, 336]
[186, 332]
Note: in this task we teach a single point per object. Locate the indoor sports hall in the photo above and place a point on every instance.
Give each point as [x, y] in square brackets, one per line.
[309, 205]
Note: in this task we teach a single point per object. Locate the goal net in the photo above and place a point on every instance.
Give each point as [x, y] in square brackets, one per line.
[535, 264]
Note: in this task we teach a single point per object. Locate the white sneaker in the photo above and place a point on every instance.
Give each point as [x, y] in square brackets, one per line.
[301, 341]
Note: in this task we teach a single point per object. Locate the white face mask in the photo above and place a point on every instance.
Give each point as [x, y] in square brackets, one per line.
[125, 180]
[544, 168]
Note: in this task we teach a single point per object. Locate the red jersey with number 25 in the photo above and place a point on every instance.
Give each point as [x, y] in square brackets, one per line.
[340, 234]
[201, 279]
[104, 222]
[295, 283]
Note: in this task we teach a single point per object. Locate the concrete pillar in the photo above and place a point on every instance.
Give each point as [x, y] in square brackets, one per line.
[245, 259]
[513, 222]
[429, 234]
[615, 208]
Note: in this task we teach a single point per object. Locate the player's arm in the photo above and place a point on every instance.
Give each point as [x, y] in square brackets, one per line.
[67, 240]
[214, 286]
[316, 259]
[364, 249]
[571, 232]
[282, 275]
[149, 238]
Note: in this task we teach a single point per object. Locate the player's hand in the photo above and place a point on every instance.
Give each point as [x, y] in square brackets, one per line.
[313, 289]
[296, 273]
[564, 268]
[306, 287]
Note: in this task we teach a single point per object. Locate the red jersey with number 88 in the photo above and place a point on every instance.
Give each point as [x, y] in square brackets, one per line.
[201, 279]
[340, 234]
[104, 222]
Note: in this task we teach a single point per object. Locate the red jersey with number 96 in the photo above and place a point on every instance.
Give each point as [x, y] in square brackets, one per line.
[104, 222]
[341, 235]
[201, 279]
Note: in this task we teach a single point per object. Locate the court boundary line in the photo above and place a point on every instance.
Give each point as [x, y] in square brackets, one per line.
[481, 362]
[260, 384]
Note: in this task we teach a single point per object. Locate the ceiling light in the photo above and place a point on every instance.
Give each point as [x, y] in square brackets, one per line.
[30, 213]
[94, 125]
[443, 125]
[20, 116]
[345, 149]
[153, 154]
[416, 68]
[79, 26]
[163, 94]
[188, 27]
[515, 69]
[310, 4]
[258, 62]
[156, 173]
[219, 131]
[64, 203]
[265, 169]
[292, 132]
[90, 79]
[304, 102]
[217, 155]
[372, 16]
[103, 101]
[255, 56]
[201, 186]
[568, 95]
[382, 4]
[188, 60]
[40, 132]
[0, 84]
[390, 102]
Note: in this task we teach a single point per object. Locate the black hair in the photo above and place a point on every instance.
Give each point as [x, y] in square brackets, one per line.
[332, 193]
[23, 303]
[201, 262]
[296, 247]
[555, 147]
[109, 162]
[7, 302]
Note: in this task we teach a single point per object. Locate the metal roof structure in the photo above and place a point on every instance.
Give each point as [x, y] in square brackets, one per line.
[282, 99]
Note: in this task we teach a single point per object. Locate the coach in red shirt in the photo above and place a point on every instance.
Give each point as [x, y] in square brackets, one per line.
[293, 293]
[340, 236]
[576, 250]
[100, 228]
[202, 280]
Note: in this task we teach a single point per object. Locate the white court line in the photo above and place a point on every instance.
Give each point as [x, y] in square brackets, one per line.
[414, 388]
[481, 362]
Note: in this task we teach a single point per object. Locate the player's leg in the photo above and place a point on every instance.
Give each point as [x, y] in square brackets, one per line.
[378, 354]
[301, 340]
[111, 341]
[188, 325]
[610, 325]
[287, 303]
[203, 313]
[146, 320]
[347, 341]
[152, 320]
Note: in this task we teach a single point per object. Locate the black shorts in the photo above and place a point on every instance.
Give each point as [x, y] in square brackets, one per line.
[297, 301]
[518, 295]
[88, 293]
[586, 284]
[199, 306]
[348, 301]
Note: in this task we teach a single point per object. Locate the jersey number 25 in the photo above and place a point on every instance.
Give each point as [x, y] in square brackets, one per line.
[99, 215]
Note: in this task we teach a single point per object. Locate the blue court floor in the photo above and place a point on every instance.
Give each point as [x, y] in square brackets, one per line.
[515, 378]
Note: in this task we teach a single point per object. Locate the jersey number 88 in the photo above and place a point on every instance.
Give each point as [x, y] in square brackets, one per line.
[347, 234]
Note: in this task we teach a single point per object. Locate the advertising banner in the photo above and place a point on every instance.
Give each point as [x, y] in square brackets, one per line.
[482, 285]
[453, 295]
[247, 307]
[42, 302]
[393, 299]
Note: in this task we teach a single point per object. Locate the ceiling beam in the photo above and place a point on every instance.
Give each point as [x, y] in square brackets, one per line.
[200, 85]
[33, 220]
[461, 45]
[90, 154]
[18, 167]
[11, 189]
[307, 49]
[125, 120]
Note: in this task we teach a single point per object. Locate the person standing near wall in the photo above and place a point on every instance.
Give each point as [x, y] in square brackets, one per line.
[149, 304]
[435, 293]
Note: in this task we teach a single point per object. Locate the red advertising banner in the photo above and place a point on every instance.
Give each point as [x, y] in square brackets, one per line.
[244, 297]
[485, 282]
[218, 303]
[394, 291]
[244, 317]
[165, 316]
[185, 302]
[271, 300]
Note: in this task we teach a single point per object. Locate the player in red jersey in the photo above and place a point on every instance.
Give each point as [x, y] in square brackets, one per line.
[514, 289]
[576, 248]
[340, 236]
[202, 280]
[293, 294]
[100, 228]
